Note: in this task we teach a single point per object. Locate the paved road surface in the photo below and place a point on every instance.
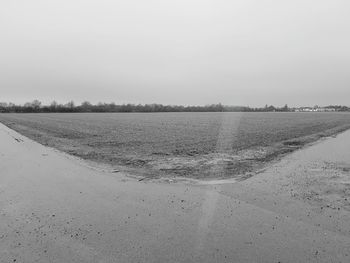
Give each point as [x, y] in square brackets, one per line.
[54, 208]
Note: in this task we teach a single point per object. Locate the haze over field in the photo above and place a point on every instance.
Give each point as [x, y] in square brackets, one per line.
[244, 52]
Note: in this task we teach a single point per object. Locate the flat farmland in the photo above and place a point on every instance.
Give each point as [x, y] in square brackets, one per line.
[194, 145]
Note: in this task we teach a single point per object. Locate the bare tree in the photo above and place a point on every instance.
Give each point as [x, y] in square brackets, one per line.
[70, 104]
[36, 104]
[54, 104]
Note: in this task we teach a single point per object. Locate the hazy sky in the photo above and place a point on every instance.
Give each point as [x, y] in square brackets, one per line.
[238, 52]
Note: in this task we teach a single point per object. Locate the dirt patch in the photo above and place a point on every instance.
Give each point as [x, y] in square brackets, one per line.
[326, 185]
[293, 143]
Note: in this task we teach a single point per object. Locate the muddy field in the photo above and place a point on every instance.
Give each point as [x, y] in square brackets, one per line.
[199, 145]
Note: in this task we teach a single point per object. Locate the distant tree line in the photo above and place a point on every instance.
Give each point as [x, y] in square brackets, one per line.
[37, 107]
[338, 107]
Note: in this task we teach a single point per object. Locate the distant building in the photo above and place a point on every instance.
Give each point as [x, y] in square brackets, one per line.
[314, 109]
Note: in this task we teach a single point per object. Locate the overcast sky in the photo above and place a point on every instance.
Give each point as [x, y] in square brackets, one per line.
[238, 52]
